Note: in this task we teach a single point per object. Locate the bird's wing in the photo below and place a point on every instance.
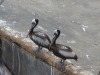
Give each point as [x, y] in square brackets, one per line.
[66, 54]
[65, 50]
[43, 36]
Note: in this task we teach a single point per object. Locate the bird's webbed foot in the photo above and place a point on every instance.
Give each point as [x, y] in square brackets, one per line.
[60, 64]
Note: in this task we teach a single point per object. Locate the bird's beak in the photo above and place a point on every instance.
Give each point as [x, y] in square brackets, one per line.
[29, 31]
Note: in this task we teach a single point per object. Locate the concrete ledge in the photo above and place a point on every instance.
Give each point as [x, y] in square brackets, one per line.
[27, 45]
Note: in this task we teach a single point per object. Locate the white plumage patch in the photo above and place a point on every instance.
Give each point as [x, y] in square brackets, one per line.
[66, 53]
[41, 34]
[39, 40]
[33, 21]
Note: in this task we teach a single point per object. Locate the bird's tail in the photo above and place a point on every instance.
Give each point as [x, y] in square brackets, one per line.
[76, 57]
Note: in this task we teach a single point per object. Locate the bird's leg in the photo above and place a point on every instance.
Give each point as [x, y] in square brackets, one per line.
[60, 64]
[62, 61]
[39, 48]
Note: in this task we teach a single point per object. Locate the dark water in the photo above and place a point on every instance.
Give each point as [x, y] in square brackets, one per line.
[77, 20]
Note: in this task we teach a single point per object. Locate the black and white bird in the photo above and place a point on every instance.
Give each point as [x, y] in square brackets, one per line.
[62, 51]
[41, 39]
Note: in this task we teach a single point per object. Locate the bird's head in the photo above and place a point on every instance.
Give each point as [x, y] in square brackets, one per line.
[56, 32]
[35, 22]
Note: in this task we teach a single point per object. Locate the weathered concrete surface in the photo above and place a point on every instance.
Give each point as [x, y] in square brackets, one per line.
[78, 21]
[4, 70]
[20, 62]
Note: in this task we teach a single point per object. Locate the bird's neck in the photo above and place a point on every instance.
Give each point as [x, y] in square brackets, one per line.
[54, 40]
[31, 30]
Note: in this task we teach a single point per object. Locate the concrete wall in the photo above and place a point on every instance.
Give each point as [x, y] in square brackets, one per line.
[20, 62]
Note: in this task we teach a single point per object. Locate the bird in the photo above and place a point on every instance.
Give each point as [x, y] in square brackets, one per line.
[40, 38]
[61, 51]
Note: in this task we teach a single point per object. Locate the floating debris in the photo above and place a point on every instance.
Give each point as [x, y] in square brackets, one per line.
[72, 42]
[88, 57]
[84, 27]
[73, 21]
